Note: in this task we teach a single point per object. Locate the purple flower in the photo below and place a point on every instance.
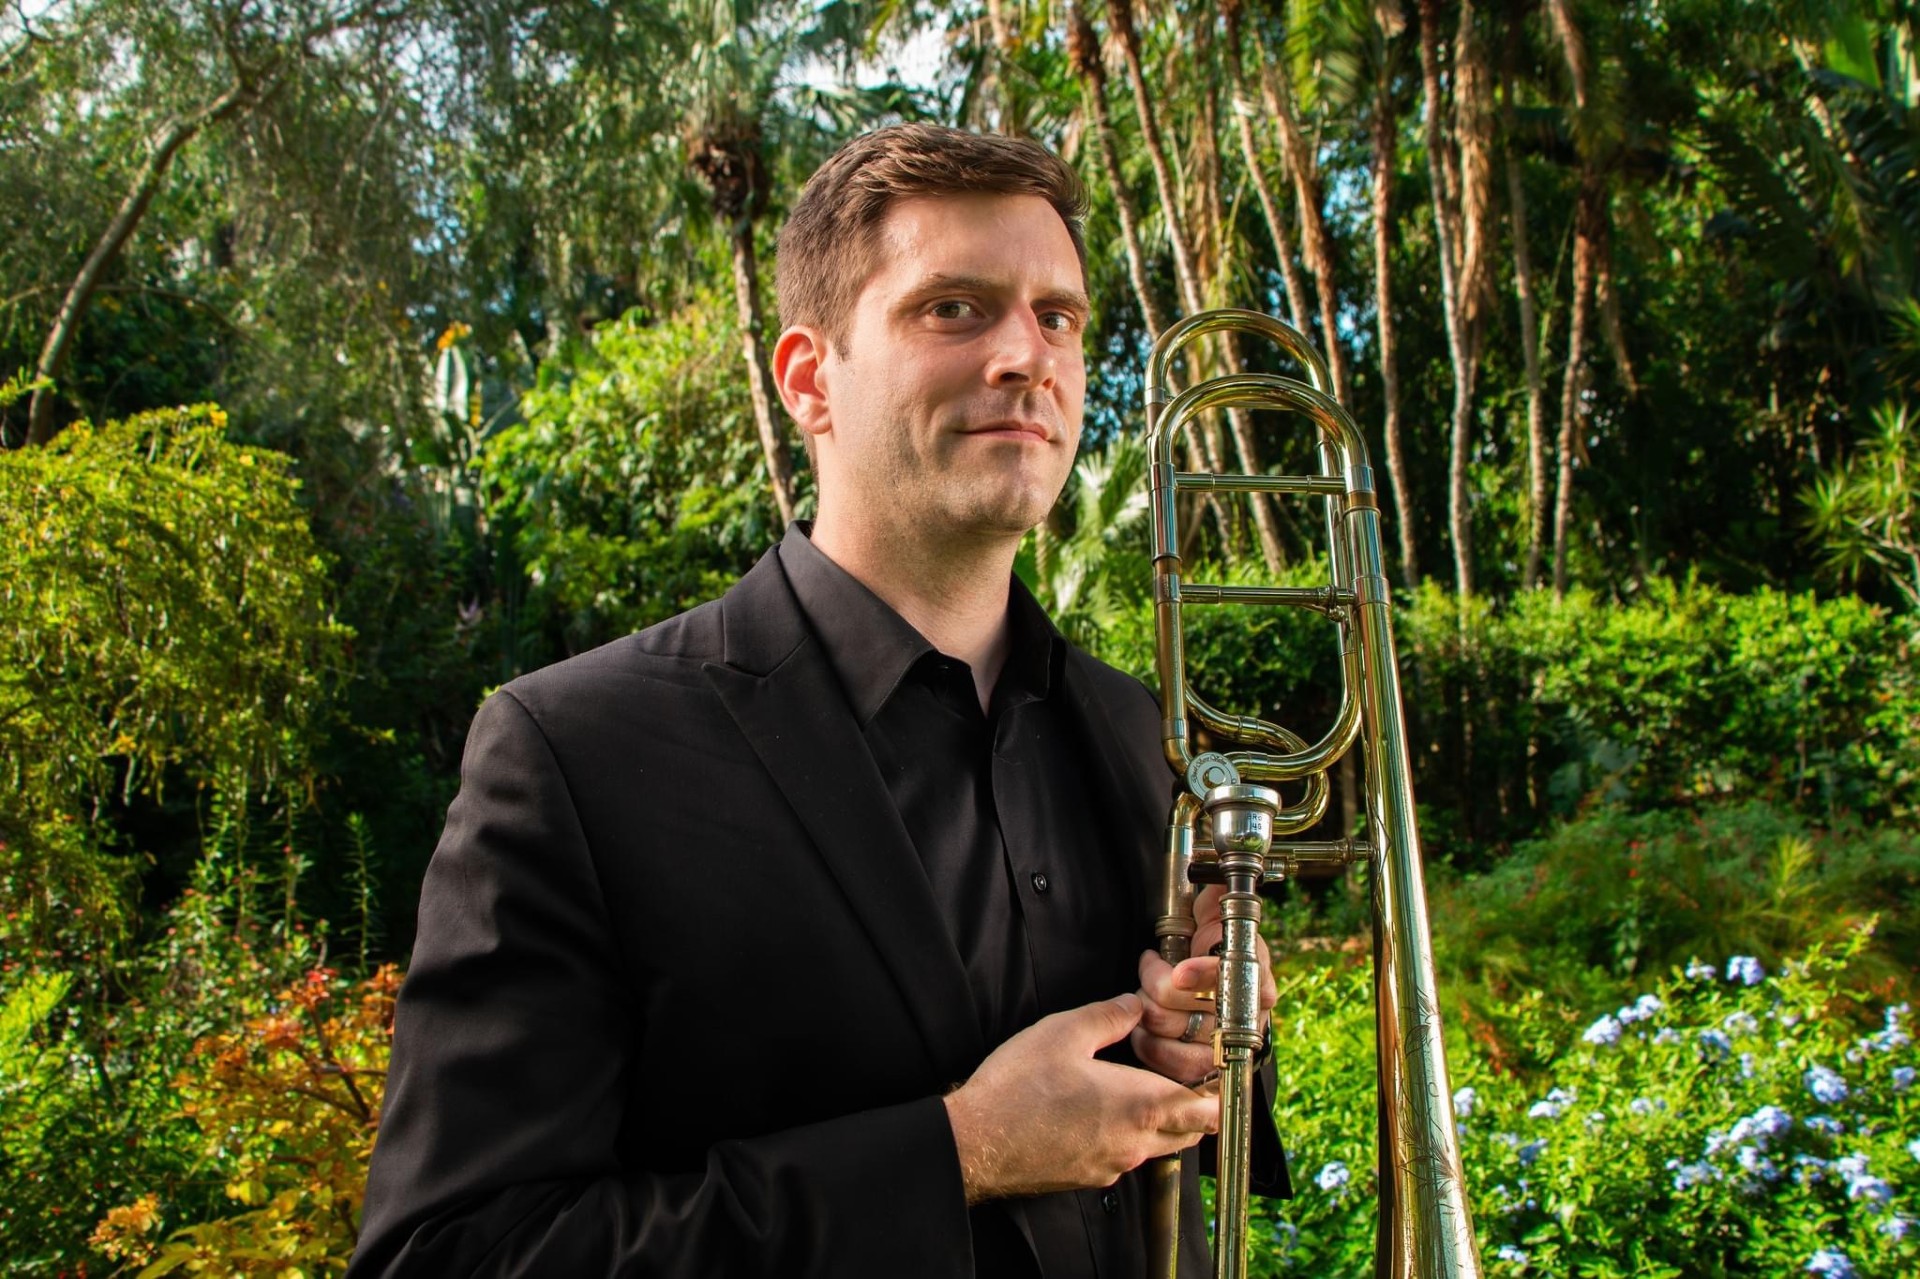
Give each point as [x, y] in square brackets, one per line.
[1686, 1176]
[1756, 1164]
[1902, 1078]
[1913, 1147]
[1831, 1264]
[1334, 1177]
[1896, 1228]
[1809, 1169]
[1827, 1125]
[1465, 1102]
[1699, 971]
[1746, 970]
[1641, 1009]
[1645, 1105]
[1553, 1106]
[1604, 1033]
[1872, 1189]
[1714, 1043]
[1513, 1253]
[1531, 1152]
[1666, 1035]
[1762, 1126]
[1826, 1086]
[1740, 1022]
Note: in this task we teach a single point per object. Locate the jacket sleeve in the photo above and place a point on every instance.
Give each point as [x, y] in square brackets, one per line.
[498, 1147]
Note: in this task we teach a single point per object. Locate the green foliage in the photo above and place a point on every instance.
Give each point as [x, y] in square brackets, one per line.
[1864, 514]
[1582, 914]
[1545, 708]
[1710, 1128]
[164, 620]
[629, 492]
[1098, 572]
[286, 1105]
[92, 1063]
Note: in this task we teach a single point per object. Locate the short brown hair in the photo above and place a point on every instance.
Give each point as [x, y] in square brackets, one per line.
[829, 246]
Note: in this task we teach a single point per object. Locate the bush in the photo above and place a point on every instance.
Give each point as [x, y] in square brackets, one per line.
[634, 488]
[286, 1106]
[1583, 913]
[1726, 1123]
[164, 619]
[1547, 708]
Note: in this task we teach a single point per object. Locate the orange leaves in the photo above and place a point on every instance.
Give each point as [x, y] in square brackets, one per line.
[286, 1106]
[122, 1233]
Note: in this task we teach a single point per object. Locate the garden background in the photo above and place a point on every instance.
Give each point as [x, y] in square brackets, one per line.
[470, 304]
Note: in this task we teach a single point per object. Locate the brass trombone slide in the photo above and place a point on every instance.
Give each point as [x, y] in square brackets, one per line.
[1424, 1231]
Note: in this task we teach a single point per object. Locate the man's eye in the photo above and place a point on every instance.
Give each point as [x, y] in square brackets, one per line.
[952, 310]
[1059, 321]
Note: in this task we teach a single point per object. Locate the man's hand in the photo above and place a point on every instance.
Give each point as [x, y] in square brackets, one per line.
[1171, 994]
[1042, 1114]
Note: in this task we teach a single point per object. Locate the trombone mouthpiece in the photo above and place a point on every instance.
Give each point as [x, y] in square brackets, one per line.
[1242, 818]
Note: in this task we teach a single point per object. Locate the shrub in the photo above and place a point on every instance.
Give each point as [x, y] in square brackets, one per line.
[1583, 912]
[1543, 708]
[164, 618]
[286, 1106]
[1731, 1121]
[632, 489]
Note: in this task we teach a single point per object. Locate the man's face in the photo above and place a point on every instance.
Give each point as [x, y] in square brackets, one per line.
[954, 403]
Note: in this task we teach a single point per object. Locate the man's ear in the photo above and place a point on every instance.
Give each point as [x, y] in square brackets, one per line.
[799, 359]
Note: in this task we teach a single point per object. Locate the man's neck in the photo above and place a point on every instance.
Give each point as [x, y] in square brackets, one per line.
[955, 593]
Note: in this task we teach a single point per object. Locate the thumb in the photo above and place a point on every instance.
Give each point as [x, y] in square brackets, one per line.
[1108, 1021]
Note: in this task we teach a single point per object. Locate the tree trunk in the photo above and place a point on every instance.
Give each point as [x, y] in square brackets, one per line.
[1084, 49]
[1586, 219]
[1283, 248]
[1460, 224]
[1316, 241]
[79, 296]
[1120, 13]
[1385, 128]
[1537, 479]
[746, 298]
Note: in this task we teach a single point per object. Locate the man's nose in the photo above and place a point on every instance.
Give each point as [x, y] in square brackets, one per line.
[1021, 354]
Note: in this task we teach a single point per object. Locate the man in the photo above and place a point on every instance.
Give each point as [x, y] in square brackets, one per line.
[780, 939]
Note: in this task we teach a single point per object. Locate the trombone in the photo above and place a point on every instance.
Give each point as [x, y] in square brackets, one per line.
[1250, 839]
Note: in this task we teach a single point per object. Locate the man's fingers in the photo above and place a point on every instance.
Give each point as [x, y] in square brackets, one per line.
[1092, 1027]
[1185, 986]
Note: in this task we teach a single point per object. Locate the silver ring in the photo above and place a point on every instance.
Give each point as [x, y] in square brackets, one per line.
[1195, 1020]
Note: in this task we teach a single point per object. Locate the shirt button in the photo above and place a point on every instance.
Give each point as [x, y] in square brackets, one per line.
[1040, 881]
[1110, 1200]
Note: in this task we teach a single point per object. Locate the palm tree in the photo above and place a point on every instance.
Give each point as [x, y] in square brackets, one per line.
[724, 147]
[1458, 162]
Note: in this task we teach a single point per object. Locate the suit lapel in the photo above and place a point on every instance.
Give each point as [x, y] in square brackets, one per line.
[1141, 796]
[777, 684]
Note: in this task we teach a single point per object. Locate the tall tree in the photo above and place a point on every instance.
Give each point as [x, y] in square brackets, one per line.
[1192, 290]
[247, 54]
[1458, 137]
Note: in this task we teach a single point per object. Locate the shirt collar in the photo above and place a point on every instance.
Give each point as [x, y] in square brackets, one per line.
[872, 648]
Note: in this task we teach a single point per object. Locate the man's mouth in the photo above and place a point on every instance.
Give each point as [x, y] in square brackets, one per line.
[1013, 429]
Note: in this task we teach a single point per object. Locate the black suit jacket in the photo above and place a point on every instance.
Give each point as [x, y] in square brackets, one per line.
[681, 1002]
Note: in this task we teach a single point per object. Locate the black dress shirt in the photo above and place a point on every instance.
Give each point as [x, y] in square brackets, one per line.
[999, 806]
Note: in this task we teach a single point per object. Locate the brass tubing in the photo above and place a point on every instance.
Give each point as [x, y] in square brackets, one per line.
[1425, 1231]
[1320, 599]
[1426, 1203]
[1173, 936]
[1208, 483]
